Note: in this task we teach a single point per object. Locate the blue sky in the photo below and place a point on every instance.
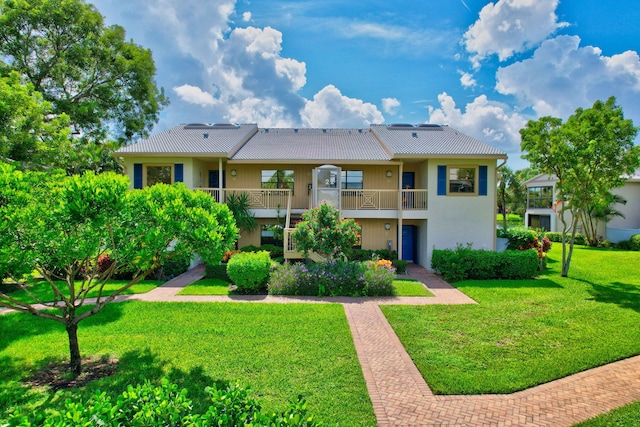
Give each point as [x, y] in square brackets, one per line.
[484, 68]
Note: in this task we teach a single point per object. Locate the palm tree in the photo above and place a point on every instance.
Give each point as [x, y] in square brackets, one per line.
[600, 212]
[240, 207]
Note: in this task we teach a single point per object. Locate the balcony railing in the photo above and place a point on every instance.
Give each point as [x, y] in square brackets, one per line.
[259, 198]
[263, 198]
[383, 199]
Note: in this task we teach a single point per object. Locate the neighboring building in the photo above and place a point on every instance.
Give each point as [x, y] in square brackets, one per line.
[543, 208]
[411, 188]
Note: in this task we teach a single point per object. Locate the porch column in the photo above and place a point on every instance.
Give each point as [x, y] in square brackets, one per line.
[400, 211]
[220, 180]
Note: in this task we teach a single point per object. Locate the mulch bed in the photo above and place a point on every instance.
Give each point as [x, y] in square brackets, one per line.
[56, 375]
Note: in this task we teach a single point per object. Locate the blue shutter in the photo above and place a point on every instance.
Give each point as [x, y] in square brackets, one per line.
[482, 181]
[179, 172]
[442, 180]
[137, 175]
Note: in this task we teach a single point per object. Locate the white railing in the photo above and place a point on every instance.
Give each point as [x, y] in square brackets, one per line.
[259, 198]
[383, 199]
[263, 198]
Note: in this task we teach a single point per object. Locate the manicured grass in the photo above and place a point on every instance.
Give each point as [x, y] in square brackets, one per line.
[207, 287]
[524, 333]
[626, 416]
[43, 291]
[278, 350]
[410, 288]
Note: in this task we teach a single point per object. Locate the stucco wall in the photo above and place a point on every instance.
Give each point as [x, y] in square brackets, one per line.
[456, 219]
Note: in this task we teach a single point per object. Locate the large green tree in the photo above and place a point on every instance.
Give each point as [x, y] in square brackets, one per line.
[63, 227]
[590, 154]
[28, 132]
[84, 68]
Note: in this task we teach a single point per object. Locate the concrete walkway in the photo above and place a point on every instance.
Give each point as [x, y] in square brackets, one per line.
[400, 395]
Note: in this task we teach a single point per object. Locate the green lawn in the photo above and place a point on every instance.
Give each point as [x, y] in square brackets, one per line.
[410, 288]
[524, 333]
[278, 350]
[207, 287]
[43, 291]
[626, 416]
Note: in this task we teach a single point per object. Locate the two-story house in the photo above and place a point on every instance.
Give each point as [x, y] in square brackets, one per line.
[411, 188]
[543, 208]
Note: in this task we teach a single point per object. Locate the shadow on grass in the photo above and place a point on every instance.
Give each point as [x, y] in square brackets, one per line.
[133, 368]
[16, 326]
[510, 284]
[136, 367]
[621, 294]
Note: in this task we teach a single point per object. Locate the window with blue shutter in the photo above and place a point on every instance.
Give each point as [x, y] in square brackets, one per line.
[178, 172]
[442, 180]
[137, 175]
[482, 181]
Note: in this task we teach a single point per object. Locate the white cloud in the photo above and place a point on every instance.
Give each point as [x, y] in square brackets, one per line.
[466, 79]
[562, 76]
[194, 95]
[246, 16]
[390, 105]
[330, 108]
[490, 122]
[510, 26]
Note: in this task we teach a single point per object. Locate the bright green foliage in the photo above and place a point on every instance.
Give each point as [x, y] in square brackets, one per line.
[240, 207]
[323, 231]
[556, 236]
[249, 271]
[167, 405]
[85, 69]
[590, 154]
[334, 278]
[465, 263]
[27, 132]
[62, 226]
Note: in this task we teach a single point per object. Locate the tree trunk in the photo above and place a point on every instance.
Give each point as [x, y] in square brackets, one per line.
[75, 361]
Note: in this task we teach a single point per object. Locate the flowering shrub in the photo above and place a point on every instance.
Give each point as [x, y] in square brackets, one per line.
[228, 254]
[378, 277]
[335, 278]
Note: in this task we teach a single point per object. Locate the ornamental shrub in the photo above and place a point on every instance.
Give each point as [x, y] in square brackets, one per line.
[634, 242]
[556, 236]
[167, 405]
[464, 263]
[521, 238]
[217, 272]
[249, 271]
[334, 278]
[378, 277]
[400, 265]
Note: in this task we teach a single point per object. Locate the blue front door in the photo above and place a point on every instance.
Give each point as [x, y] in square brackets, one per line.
[409, 242]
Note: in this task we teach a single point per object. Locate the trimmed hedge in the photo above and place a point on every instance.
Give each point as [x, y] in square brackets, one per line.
[217, 272]
[368, 254]
[556, 236]
[464, 263]
[249, 271]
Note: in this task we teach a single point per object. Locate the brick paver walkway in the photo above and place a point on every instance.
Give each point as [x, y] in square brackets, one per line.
[400, 395]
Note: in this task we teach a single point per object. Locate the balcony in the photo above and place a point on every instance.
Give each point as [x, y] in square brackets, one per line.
[356, 203]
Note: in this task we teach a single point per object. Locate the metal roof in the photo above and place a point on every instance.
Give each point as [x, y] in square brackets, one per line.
[248, 143]
[313, 144]
[194, 138]
[431, 140]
